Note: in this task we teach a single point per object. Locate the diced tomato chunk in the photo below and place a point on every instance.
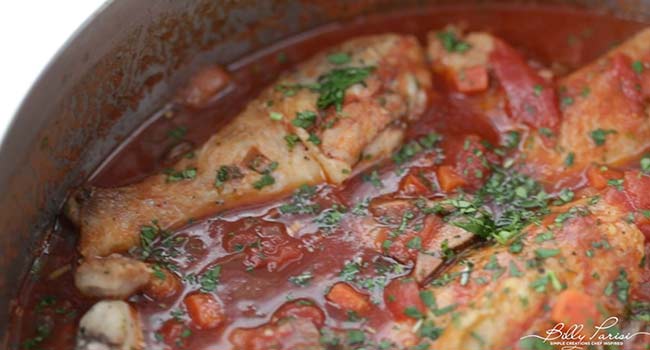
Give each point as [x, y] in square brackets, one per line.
[172, 332]
[162, 285]
[411, 184]
[402, 297]
[575, 307]
[637, 189]
[629, 81]
[531, 99]
[473, 162]
[644, 226]
[473, 79]
[205, 310]
[449, 179]
[347, 298]
[599, 177]
[301, 309]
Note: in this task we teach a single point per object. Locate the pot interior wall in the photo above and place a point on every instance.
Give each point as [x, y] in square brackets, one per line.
[116, 72]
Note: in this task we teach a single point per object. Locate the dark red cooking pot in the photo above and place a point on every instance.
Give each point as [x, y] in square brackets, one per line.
[121, 67]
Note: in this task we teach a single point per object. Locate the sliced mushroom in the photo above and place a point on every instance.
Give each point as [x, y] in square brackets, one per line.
[115, 276]
[390, 208]
[455, 236]
[110, 325]
[425, 266]
[204, 86]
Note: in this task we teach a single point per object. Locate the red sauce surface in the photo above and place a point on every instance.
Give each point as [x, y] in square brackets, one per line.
[252, 290]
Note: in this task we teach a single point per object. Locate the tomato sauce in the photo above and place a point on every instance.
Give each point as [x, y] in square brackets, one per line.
[267, 258]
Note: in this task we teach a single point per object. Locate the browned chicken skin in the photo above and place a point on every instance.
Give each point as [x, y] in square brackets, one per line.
[290, 135]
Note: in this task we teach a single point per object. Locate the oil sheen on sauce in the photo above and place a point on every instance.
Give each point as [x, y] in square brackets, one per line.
[569, 38]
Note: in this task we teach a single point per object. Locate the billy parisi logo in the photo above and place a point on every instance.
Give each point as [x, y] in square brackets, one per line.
[576, 337]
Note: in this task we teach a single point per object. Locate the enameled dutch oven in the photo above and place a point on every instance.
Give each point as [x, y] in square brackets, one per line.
[121, 67]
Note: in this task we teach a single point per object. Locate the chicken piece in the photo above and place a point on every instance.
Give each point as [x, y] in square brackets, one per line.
[347, 298]
[470, 61]
[115, 277]
[602, 115]
[110, 325]
[394, 90]
[381, 147]
[605, 116]
[312, 125]
[462, 59]
[583, 246]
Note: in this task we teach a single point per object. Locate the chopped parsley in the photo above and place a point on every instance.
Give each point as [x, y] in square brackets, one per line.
[302, 280]
[330, 218]
[566, 101]
[616, 183]
[637, 66]
[507, 203]
[148, 234]
[622, 287]
[355, 337]
[291, 140]
[640, 310]
[565, 196]
[275, 116]
[374, 179]
[158, 272]
[304, 119]
[43, 331]
[301, 202]
[570, 158]
[210, 279]
[313, 138]
[281, 57]
[415, 243]
[409, 150]
[452, 43]
[514, 270]
[413, 312]
[429, 330]
[546, 132]
[544, 253]
[339, 58]
[645, 164]
[227, 173]
[264, 181]
[179, 175]
[350, 271]
[332, 85]
[599, 136]
[177, 133]
[512, 139]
